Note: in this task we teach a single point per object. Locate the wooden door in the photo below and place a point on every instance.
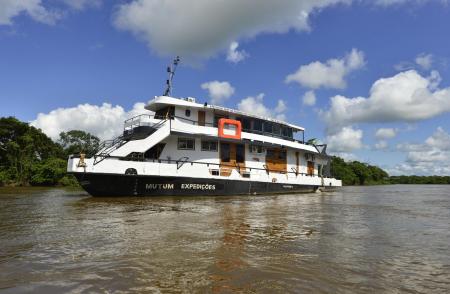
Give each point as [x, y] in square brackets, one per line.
[310, 168]
[232, 156]
[201, 118]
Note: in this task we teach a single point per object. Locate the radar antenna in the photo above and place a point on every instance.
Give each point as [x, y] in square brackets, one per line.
[171, 71]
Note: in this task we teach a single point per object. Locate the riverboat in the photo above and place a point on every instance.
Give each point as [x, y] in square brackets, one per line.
[182, 147]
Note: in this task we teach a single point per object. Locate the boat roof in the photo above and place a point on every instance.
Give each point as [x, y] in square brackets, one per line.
[163, 101]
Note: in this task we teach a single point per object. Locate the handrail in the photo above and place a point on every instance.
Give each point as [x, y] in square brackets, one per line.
[182, 160]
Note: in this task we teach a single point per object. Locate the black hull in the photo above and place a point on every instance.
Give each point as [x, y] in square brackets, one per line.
[100, 184]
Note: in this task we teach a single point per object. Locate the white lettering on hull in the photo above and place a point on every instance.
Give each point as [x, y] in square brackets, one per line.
[198, 187]
[159, 186]
[183, 187]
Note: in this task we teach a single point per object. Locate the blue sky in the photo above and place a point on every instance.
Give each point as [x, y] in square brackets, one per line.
[59, 54]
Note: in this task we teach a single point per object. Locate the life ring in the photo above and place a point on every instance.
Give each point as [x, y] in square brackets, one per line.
[226, 121]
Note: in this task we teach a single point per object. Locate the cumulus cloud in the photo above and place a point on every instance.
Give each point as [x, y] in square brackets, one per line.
[105, 121]
[330, 74]
[255, 105]
[309, 98]
[33, 8]
[234, 55]
[82, 4]
[200, 28]
[407, 96]
[218, 91]
[425, 61]
[380, 145]
[385, 133]
[429, 158]
[345, 140]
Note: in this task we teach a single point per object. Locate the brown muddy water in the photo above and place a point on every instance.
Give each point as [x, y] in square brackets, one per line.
[385, 239]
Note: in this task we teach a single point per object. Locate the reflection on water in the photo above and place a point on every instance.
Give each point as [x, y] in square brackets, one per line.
[360, 239]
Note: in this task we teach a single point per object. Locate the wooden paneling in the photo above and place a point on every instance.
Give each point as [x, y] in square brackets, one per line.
[276, 160]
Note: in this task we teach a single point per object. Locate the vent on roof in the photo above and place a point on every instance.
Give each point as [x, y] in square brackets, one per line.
[190, 99]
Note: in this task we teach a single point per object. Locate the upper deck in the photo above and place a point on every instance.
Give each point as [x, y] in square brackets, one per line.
[208, 115]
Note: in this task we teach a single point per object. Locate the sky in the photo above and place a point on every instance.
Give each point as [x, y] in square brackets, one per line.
[369, 78]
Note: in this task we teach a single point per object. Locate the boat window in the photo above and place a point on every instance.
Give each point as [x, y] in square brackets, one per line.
[224, 152]
[246, 124]
[256, 149]
[240, 153]
[290, 135]
[186, 144]
[187, 112]
[209, 145]
[270, 153]
[276, 129]
[166, 112]
[285, 131]
[267, 127]
[257, 125]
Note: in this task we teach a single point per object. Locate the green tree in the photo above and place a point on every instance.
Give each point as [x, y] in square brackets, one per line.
[21, 147]
[77, 141]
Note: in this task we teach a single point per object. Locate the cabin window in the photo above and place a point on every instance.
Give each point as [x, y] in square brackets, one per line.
[187, 112]
[290, 135]
[186, 144]
[285, 132]
[256, 149]
[267, 127]
[276, 129]
[282, 154]
[258, 125]
[225, 152]
[209, 145]
[166, 112]
[246, 124]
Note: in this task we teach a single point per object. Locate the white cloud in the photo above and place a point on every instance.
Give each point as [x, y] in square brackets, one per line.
[345, 140]
[82, 4]
[33, 8]
[255, 105]
[425, 61]
[429, 158]
[105, 121]
[330, 74]
[381, 145]
[281, 106]
[218, 91]
[407, 96]
[309, 98]
[385, 133]
[200, 28]
[234, 55]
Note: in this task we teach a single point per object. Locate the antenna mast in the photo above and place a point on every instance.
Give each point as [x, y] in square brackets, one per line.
[171, 71]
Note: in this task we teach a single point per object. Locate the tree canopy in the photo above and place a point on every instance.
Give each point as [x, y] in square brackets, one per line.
[28, 156]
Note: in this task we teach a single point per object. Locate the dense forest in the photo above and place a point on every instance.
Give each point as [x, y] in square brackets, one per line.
[29, 157]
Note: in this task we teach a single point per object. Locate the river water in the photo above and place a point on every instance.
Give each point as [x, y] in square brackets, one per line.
[383, 239]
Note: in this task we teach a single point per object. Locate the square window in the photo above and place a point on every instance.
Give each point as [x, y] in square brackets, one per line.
[186, 144]
[209, 146]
